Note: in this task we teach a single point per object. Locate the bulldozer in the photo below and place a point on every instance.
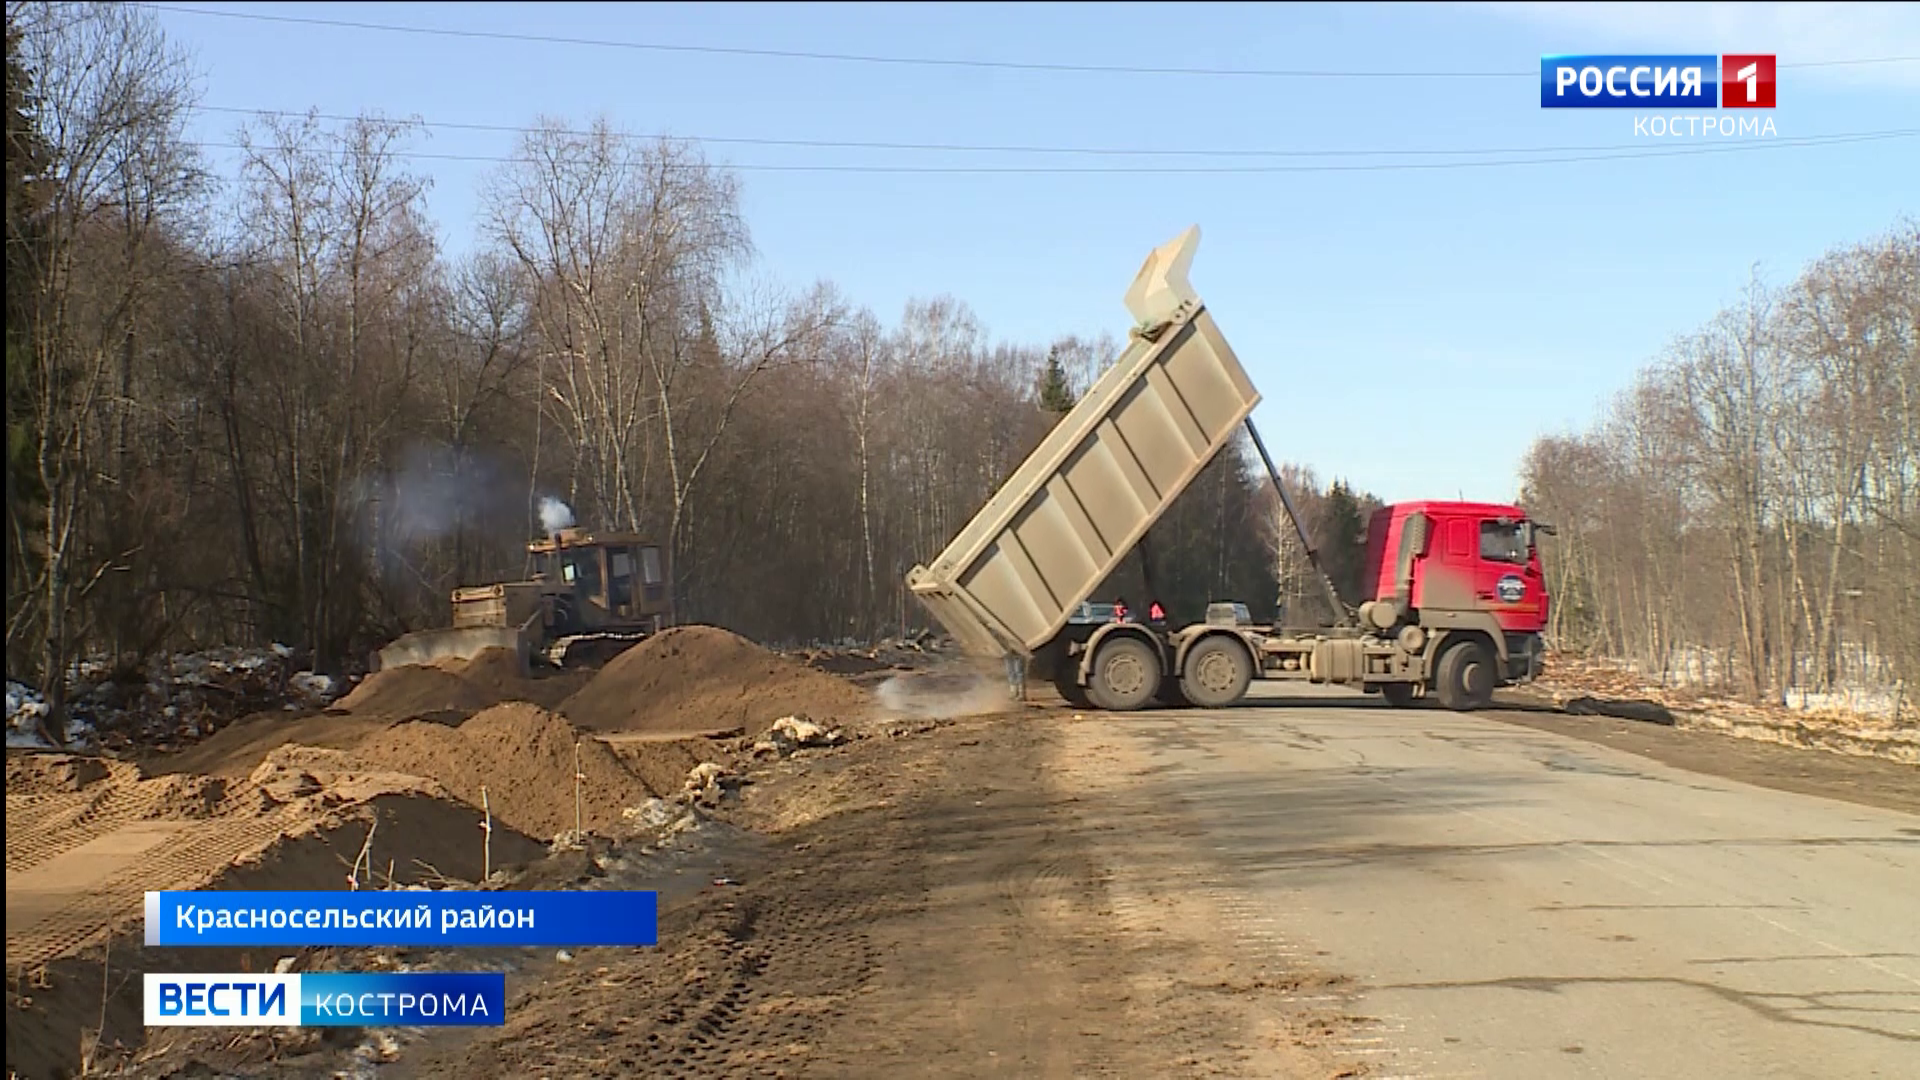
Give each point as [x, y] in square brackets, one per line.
[590, 597]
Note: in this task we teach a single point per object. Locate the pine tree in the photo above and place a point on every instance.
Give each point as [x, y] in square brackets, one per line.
[1056, 396]
[1345, 524]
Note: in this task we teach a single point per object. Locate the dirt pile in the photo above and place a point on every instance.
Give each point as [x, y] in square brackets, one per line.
[703, 678]
[235, 750]
[496, 674]
[48, 774]
[414, 691]
[447, 692]
[523, 756]
[86, 837]
[455, 685]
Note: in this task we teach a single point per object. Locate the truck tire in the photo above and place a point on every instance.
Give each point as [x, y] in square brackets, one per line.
[1398, 694]
[1069, 687]
[1125, 676]
[1217, 673]
[1464, 681]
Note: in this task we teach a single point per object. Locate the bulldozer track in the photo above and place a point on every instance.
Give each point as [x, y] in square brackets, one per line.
[44, 826]
[57, 907]
[561, 653]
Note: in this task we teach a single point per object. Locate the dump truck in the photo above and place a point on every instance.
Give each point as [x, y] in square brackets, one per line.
[1456, 606]
[590, 597]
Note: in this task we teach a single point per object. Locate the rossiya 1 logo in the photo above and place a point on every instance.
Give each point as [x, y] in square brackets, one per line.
[1663, 82]
[1733, 81]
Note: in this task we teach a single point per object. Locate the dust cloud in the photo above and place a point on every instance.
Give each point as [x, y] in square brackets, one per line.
[941, 695]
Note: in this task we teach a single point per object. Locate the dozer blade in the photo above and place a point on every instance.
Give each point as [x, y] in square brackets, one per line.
[429, 646]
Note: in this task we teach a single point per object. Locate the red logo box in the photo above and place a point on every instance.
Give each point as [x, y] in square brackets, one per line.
[1746, 81]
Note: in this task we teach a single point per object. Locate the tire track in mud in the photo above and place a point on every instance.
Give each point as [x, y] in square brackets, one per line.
[745, 981]
[938, 920]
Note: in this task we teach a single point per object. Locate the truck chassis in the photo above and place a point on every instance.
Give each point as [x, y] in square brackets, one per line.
[1123, 666]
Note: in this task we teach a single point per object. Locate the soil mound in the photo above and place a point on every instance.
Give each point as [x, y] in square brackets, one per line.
[78, 858]
[523, 755]
[236, 749]
[47, 774]
[414, 691]
[448, 692]
[703, 678]
[496, 674]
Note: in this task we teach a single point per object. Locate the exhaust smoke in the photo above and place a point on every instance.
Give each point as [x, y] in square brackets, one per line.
[555, 515]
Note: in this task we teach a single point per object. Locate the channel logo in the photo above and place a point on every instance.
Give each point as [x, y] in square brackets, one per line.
[1746, 81]
[326, 999]
[1702, 81]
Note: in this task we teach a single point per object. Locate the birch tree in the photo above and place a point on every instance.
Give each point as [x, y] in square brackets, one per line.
[108, 113]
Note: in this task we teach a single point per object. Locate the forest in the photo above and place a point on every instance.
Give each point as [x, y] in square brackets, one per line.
[267, 407]
[1746, 515]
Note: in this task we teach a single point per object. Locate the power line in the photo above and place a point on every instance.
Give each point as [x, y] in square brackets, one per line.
[909, 61]
[1089, 151]
[1746, 146]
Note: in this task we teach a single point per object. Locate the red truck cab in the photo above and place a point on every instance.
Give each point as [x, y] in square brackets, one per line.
[1461, 567]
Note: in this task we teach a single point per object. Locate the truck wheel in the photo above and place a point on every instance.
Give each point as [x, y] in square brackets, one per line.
[1126, 674]
[1398, 694]
[1217, 673]
[1070, 689]
[1465, 679]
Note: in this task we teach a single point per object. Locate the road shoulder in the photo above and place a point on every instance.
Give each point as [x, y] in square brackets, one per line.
[990, 896]
[1864, 781]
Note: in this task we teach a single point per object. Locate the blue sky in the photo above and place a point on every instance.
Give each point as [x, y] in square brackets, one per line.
[1449, 316]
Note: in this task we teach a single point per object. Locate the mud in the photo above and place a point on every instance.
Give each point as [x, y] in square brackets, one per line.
[702, 678]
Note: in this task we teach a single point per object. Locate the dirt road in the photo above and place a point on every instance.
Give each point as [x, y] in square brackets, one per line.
[964, 901]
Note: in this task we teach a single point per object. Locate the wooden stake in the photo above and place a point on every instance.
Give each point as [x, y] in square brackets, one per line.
[366, 856]
[578, 778]
[486, 842]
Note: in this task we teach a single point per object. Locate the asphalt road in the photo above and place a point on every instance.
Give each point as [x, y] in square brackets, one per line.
[1514, 903]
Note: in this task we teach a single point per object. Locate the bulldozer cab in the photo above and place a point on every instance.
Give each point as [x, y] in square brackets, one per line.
[612, 579]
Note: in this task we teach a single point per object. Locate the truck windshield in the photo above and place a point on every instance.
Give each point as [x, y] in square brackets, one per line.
[1503, 543]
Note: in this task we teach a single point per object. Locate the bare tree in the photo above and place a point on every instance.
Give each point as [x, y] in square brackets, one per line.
[626, 244]
[112, 96]
[336, 230]
[1748, 509]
